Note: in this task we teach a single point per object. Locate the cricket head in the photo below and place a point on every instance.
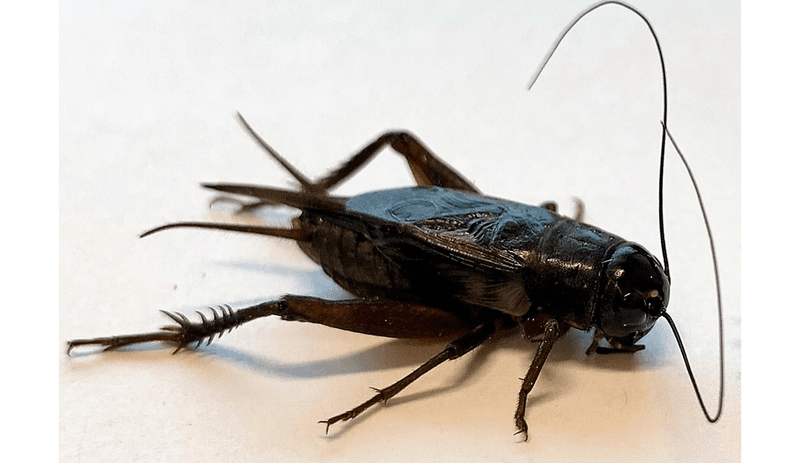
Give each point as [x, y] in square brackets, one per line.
[635, 297]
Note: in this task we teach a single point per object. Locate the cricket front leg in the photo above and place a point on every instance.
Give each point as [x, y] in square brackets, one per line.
[552, 330]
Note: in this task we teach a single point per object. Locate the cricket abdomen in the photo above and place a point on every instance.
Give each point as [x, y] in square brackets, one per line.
[353, 261]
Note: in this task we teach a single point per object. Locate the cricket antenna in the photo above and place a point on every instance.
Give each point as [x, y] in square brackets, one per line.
[719, 293]
[664, 134]
[549, 55]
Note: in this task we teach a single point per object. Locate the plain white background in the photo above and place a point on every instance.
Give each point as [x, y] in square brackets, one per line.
[148, 93]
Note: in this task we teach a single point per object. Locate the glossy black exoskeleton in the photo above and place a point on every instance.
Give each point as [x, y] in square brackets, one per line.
[467, 253]
[441, 259]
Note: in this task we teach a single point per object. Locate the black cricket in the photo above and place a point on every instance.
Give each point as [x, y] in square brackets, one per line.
[442, 260]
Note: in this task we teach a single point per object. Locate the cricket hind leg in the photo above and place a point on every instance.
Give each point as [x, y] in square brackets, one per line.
[456, 348]
[427, 168]
[375, 317]
[306, 185]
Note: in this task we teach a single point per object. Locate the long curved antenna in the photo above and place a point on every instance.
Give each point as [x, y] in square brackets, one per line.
[719, 292]
[549, 55]
[664, 134]
[691, 375]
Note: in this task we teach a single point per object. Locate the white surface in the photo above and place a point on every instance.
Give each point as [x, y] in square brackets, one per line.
[148, 94]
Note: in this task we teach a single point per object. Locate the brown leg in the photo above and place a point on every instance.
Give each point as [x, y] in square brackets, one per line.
[455, 349]
[553, 207]
[427, 168]
[550, 206]
[553, 329]
[379, 318]
[304, 182]
[580, 208]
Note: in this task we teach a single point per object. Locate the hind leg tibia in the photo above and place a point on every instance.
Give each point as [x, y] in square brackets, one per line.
[368, 316]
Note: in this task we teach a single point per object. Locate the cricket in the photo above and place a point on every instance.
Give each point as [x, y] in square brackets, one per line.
[443, 260]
